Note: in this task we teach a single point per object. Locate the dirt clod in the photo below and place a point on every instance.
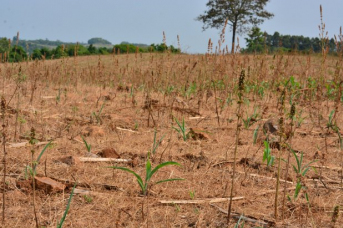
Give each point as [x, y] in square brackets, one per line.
[49, 185]
[69, 160]
[198, 134]
[93, 131]
[108, 153]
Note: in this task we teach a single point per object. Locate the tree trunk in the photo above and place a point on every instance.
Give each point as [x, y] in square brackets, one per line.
[234, 27]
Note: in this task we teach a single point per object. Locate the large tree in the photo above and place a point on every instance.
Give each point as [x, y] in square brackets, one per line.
[240, 14]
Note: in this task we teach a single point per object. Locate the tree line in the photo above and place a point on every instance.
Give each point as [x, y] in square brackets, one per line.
[261, 42]
[13, 52]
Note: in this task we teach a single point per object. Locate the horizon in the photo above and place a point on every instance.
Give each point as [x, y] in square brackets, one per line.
[43, 20]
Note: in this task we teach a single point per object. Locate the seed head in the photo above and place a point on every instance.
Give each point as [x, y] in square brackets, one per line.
[241, 81]
[335, 214]
[3, 105]
[32, 136]
[292, 113]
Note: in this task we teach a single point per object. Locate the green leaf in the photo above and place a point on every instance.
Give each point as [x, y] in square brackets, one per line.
[307, 167]
[306, 196]
[239, 221]
[255, 134]
[139, 179]
[88, 146]
[60, 224]
[178, 130]
[297, 190]
[178, 123]
[301, 160]
[295, 169]
[40, 155]
[148, 169]
[162, 165]
[330, 116]
[167, 180]
[271, 161]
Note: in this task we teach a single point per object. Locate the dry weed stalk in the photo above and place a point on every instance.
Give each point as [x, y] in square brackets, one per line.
[3, 113]
[33, 141]
[238, 130]
[282, 146]
[222, 38]
[291, 116]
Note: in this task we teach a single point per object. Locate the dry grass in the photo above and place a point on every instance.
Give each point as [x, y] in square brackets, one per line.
[138, 90]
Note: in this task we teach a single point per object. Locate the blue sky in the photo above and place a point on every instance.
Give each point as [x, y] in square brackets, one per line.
[141, 21]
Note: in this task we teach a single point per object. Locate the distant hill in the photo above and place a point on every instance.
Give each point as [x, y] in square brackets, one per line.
[30, 45]
[99, 41]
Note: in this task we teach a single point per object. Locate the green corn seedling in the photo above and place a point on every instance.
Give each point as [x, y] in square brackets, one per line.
[267, 155]
[60, 224]
[181, 128]
[144, 185]
[88, 146]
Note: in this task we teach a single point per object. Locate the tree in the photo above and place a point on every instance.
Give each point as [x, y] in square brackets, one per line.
[17, 54]
[37, 54]
[4, 45]
[255, 42]
[59, 52]
[240, 14]
[92, 49]
[46, 52]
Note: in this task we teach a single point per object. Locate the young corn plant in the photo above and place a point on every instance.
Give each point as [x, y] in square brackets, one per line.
[156, 144]
[98, 115]
[60, 224]
[292, 117]
[255, 134]
[333, 126]
[181, 128]
[149, 172]
[32, 169]
[267, 155]
[238, 224]
[300, 169]
[88, 146]
[250, 119]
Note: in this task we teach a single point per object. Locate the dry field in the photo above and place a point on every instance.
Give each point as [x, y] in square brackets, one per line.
[119, 103]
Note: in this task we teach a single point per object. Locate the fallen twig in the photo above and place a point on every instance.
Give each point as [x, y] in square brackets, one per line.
[48, 97]
[213, 200]
[245, 218]
[272, 191]
[86, 185]
[87, 159]
[265, 177]
[123, 129]
[327, 167]
[24, 144]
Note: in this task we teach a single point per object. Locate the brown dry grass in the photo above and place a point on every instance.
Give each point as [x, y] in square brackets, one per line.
[85, 83]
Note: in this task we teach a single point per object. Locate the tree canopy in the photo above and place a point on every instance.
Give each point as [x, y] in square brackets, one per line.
[4, 45]
[258, 41]
[255, 40]
[239, 13]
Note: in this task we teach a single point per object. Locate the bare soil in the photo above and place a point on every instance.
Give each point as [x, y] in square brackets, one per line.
[128, 97]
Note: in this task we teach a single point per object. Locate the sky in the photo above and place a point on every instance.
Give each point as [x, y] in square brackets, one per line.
[138, 21]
